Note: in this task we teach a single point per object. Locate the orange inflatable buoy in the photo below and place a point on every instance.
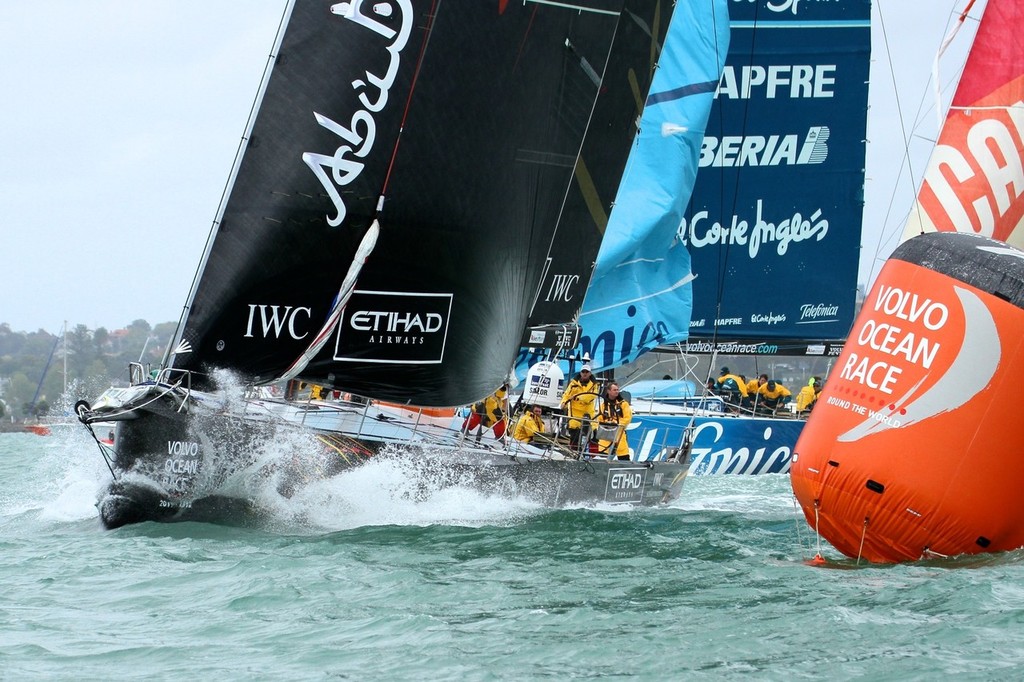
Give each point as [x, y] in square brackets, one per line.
[916, 443]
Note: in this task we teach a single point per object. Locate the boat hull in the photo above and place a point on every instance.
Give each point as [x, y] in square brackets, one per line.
[207, 463]
[722, 445]
[563, 482]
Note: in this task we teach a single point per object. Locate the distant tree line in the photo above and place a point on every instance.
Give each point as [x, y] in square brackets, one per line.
[35, 367]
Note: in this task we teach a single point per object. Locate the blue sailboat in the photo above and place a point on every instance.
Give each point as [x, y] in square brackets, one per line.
[741, 239]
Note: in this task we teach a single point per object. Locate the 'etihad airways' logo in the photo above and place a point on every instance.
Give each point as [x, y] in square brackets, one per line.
[345, 163]
[394, 327]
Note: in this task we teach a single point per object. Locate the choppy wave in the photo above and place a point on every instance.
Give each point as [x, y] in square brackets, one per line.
[378, 575]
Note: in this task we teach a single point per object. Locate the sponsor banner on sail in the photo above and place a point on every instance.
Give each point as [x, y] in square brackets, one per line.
[639, 296]
[975, 178]
[773, 229]
[898, 457]
[393, 327]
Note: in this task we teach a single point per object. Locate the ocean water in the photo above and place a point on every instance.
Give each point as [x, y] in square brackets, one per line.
[369, 577]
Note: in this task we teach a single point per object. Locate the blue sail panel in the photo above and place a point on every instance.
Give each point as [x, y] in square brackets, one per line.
[774, 226]
[640, 293]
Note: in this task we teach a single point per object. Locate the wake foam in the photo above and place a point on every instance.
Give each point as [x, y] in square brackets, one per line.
[292, 481]
[59, 478]
[395, 487]
[287, 473]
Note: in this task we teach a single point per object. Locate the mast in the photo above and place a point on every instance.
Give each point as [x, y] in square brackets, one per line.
[46, 368]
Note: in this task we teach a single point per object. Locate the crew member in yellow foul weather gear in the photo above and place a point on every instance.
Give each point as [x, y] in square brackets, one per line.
[491, 411]
[612, 420]
[773, 395]
[578, 402]
[732, 387]
[808, 395]
[530, 425]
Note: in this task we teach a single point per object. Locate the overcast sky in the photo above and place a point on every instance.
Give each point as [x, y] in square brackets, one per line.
[120, 119]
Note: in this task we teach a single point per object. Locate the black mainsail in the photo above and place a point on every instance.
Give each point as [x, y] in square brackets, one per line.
[456, 145]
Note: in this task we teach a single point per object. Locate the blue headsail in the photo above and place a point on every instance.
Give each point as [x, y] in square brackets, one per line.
[640, 293]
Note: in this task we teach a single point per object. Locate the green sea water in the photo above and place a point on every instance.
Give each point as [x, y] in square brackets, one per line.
[367, 577]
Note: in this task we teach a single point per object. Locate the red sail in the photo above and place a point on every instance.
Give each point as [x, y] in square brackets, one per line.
[914, 447]
[975, 178]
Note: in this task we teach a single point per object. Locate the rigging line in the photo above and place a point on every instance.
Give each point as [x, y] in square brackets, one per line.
[103, 451]
[938, 55]
[905, 162]
[723, 252]
[113, 416]
[581, 177]
[526, 34]
[899, 107]
[527, 296]
[863, 533]
[429, 30]
[800, 525]
[907, 215]
[817, 531]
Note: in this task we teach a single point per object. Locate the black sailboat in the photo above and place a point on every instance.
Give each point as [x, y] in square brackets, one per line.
[389, 224]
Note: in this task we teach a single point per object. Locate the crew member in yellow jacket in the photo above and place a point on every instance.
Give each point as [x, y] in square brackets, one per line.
[808, 395]
[489, 412]
[731, 386]
[530, 425]
[578, 402]
[754, 385]
[614, 416]
[773, 395]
